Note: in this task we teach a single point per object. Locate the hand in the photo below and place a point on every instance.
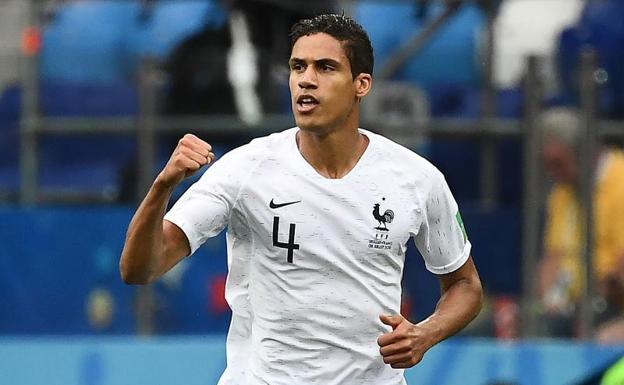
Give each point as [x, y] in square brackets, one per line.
[405, 345]
[190, 155]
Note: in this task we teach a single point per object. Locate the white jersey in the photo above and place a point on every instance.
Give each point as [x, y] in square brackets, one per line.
[314, 261]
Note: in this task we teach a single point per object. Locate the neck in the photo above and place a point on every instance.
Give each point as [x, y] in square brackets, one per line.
[332, 154]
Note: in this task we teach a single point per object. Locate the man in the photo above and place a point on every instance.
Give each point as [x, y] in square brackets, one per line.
[561, 278]
[318, 219]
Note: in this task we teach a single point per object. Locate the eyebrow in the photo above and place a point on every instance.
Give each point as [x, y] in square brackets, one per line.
[322, 61]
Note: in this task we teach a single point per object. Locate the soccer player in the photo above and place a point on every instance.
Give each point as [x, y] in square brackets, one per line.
[318, 219]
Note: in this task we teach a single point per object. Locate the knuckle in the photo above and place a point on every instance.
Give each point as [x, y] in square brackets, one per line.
[176, 160]
[183, 160]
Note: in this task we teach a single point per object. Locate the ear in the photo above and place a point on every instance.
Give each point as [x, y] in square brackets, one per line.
[363, 83]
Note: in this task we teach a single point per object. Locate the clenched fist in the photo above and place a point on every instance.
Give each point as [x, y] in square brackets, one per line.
[405, 345]
[190, 155]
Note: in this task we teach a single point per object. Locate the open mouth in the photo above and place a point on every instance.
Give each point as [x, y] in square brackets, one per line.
[306, 103]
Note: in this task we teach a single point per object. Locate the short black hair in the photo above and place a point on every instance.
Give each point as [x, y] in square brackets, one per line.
[347, 31]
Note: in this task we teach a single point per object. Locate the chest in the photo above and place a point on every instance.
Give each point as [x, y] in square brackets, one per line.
[310, 222]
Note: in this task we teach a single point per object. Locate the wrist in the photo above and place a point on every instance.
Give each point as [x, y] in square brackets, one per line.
[161, 185]
[432, 330]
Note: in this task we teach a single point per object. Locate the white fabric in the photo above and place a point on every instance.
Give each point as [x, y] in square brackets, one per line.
[530, 27]
[242, 68]
[315, 320]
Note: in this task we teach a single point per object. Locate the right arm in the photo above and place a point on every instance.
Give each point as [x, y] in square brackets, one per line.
[154, 245]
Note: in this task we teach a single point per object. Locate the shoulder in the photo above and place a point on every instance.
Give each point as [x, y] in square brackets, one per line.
[404, 158]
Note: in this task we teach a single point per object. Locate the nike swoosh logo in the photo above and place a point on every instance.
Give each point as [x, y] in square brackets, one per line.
[274, 205]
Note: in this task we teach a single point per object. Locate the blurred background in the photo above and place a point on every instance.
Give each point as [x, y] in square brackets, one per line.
[518, 102]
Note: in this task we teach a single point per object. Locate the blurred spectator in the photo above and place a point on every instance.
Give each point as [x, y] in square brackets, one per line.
[561, 270]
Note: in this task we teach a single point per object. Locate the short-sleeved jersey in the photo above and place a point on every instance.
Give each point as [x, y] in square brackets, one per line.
[314, 261]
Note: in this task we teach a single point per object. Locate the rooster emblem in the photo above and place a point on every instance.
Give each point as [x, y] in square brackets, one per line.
[384, 218]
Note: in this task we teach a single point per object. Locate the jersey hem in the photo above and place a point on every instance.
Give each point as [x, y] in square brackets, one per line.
[186, 229]
[456, 264]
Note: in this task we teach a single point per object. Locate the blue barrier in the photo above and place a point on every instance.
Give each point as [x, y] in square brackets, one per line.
[54, 262]
[200, 360]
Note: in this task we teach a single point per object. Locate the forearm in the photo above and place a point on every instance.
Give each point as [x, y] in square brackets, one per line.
[144, 248]
[152, 246]
[459, 304]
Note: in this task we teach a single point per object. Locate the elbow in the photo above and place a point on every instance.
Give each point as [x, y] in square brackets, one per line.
[132, 276]
[479, 297]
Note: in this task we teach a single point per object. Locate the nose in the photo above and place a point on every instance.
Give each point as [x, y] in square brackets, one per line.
[308, 79]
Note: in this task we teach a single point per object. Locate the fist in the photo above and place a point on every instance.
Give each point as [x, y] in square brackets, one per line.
[405, 345]
[190, 155]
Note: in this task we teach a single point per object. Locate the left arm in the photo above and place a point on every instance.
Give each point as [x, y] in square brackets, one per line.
[459, 304]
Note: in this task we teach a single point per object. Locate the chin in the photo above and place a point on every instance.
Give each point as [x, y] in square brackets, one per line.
[307, 124]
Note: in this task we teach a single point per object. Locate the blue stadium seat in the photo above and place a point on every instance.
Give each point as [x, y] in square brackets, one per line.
[10, 107]
[87, 41]
[450, 57]
[70, 98]
[99, 179]
[89, 61]
[86, 71]
[80, 164]
[601, 28]
[102, 41]
[170, 22]
[86, 163]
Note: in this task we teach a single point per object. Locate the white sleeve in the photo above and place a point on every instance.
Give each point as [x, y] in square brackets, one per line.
[442, 239]
[204, 209]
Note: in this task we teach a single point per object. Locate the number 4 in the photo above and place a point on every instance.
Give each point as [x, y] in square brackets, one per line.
[291, 245]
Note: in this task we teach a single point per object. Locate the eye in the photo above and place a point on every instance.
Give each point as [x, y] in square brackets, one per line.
[296, 67]
[327, 67]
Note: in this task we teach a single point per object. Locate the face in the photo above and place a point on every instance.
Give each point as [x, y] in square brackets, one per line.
[560, 161]
[324, 93]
